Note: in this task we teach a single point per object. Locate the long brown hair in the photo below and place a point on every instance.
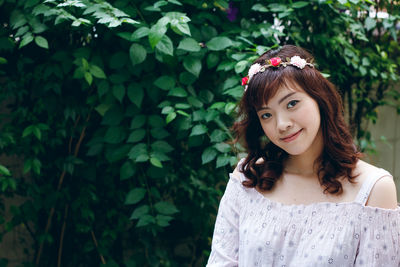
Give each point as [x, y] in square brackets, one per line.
[339, 155]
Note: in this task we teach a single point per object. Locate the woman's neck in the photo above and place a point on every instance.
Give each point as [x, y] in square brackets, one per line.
[303, 164]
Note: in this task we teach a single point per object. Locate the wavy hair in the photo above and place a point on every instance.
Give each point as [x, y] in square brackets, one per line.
[339, 155]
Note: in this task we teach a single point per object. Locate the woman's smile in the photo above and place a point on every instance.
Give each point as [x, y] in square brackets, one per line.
[291, 137]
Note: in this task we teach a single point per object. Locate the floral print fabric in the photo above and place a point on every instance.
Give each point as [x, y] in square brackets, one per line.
[252, 230]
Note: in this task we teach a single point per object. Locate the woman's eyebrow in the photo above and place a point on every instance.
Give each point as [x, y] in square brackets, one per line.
[280, 101]
[286, 96]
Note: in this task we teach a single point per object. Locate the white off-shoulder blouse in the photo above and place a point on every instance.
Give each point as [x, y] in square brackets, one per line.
[252, 230]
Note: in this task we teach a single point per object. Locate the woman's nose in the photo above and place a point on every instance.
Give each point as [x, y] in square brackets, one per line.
[283, 123]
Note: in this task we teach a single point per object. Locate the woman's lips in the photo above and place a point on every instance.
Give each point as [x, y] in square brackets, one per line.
[291, 137]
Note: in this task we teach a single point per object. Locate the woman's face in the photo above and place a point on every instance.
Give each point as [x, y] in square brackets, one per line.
[291, 120]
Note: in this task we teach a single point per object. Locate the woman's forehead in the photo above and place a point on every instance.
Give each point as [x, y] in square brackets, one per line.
[284, 90]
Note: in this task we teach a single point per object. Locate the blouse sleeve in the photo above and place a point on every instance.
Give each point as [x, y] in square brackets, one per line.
[225, 242]
[380, 238]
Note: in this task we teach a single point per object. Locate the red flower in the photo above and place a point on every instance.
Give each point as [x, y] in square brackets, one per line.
[275, 61]
[245, 80]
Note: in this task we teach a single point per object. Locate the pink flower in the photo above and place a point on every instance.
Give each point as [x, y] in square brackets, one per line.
[298, 62]
[275, 61]
[255, 68]
[245, 80]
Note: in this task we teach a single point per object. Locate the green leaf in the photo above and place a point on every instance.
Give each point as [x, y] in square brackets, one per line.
[222, 4]
[236, 91]
[36, 166]
[156, 162]
[139, 33]
[165, 82]
[97, 72]
[102, 108]
[199, 115]
[4, 171]
[208, 155]
[127, 171]
[42, 42]
[136, 136]
[139, 212]
[163, 220]
[165, 46]
[138, 121]
[223, 160]
[27, 131]
[162, 146]
[229, 107]
[187, 78]
[198, 130]
[182, 28]
[145, 220]
[223, 147]
[262, 49]
[3, 60]
[370, 23]
[195, 102]
[17, 19]
[119, 92]
[241, 66]
[137, 54]
[299, 4]
[134, 196]
[219, 43]
[178, 92]
[192, 65]
[179, 22]
[138, 152]
[218, 105]
[28, 37]
[176, 2]
[212, 60]
[114, 135]
[135, 94]
[159, 133]
[156, 121]
[170, 117]
[363, 70]
[88, 78]
[166, 208]
[259, 8]
[36, 131]
[218, 136]
[157, 31]
[183, 113]
[189, 44]
[160, 156]
[167, 110]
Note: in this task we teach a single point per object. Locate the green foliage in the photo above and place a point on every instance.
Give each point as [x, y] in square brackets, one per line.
[121, 111]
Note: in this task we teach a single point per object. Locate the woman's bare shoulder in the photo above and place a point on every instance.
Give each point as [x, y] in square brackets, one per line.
[383, 194]
[364, 169]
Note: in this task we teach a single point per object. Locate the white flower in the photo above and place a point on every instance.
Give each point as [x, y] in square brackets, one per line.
[254, 69]
[298, 62]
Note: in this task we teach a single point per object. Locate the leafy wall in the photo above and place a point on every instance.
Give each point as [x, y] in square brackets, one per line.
[120, 111]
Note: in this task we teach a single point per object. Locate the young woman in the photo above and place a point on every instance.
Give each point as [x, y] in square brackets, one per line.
[302, 196]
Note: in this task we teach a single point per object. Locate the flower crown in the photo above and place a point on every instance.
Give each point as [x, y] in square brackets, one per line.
[275, 62]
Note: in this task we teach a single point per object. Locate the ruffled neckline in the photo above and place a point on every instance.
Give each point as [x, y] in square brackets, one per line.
[320, 204]
[314, 205]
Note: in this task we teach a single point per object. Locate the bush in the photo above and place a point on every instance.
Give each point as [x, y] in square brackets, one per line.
[121, 111]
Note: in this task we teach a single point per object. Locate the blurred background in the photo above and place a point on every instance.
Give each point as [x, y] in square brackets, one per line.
[115, 115]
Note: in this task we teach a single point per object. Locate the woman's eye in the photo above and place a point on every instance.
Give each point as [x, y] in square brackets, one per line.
[265, 116]
[292, 103]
